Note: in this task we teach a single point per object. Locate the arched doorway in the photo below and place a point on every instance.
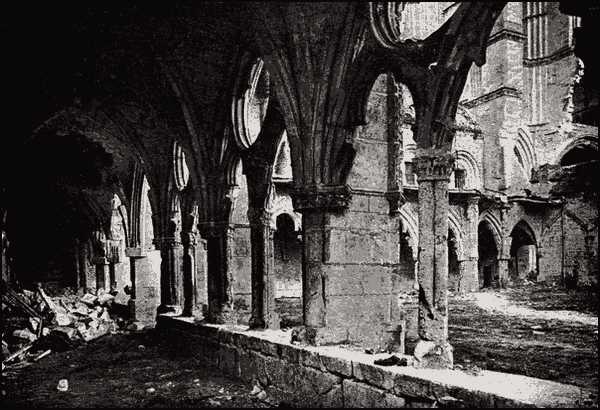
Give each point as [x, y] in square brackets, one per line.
[288, 271]
[488, 255]
[523, 253]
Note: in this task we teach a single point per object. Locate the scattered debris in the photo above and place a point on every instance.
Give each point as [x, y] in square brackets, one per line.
[63, 385]
[262, 395]
[32, 320]
[393, 360]
[42, 355]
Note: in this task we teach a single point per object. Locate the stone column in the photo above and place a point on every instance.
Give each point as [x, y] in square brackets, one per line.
[591, 255]
[76, 263]
[313, 279]
[82, 256]
[538, 261]
[102, 272]
[469, 265]
[201, 275]
[219, 237]
[189, 241]
[144, 295]
[504, 254]
[395, 151]
[263, 270]
[433, 170]
[316, 205]
[170, 274]
[194, 258]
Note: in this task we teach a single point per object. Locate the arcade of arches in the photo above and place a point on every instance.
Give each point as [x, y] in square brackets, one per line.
[192, 154]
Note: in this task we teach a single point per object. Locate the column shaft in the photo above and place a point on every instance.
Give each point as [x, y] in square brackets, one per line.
[170, 274]
[189, 277]
[433, 170]
[102, 272]
[469, 266]
[263, 271]
[220, 276]
[433, 260]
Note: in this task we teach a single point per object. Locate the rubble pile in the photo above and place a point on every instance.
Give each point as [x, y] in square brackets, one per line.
[35, 324]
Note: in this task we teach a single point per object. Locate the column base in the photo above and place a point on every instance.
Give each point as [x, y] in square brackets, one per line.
[225, 317]
[433, 355]
[270, 323]
[170, 309]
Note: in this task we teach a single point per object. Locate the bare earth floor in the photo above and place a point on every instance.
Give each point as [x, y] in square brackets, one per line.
[534, 330]
[115, 371]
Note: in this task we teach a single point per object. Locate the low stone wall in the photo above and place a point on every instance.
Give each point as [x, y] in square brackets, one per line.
[328, 376]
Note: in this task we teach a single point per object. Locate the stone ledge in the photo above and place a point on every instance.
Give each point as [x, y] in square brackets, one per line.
[328, 374]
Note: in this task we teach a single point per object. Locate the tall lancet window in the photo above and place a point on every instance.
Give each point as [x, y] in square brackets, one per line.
[535, 23]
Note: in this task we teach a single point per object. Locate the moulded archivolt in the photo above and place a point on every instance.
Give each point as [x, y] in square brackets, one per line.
[397, 22]
[180, 168]
[250, 103]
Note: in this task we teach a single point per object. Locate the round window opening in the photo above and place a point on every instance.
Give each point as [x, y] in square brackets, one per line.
[250, 107]
[182, 173]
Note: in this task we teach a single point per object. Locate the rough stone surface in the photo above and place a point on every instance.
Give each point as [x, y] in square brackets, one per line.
[307, 381]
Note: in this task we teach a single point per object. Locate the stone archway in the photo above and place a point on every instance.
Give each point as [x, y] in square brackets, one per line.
[523, 253]
[488, 255]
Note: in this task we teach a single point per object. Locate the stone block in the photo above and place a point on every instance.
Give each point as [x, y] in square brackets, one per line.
[312, 359]
[229, 360]
[360, 395]
[239, 340]
[278, 373]
[374, 375]
[314, 384]
[252, 368]
[410, 386]
[208, 332]
[379, 205]
[359, 203]
[288, 353]
[337, 365]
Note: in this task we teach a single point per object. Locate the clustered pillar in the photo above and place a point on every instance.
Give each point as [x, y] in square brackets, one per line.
[219, 237]
[194, 273]
[313, 278]
[504, 254]
[263, 270]
[170, 274]
[469, 265]
[433, 170]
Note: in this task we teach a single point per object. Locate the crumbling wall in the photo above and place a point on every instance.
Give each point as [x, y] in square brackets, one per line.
[327, 376]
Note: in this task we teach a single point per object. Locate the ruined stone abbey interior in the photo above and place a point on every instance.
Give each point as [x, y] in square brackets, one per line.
[330, 172]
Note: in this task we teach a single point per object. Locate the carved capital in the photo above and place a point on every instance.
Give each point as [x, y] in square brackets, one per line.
[331, 198]
[214, 229]
[260, 217]
[165, 242]
[431, 165]
[473, 200]
[189, 239]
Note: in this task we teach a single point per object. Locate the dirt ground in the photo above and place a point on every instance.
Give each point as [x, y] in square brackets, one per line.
[533, 330]
[115, 371]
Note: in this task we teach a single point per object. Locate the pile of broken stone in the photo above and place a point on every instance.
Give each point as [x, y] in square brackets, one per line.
[35, 324]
